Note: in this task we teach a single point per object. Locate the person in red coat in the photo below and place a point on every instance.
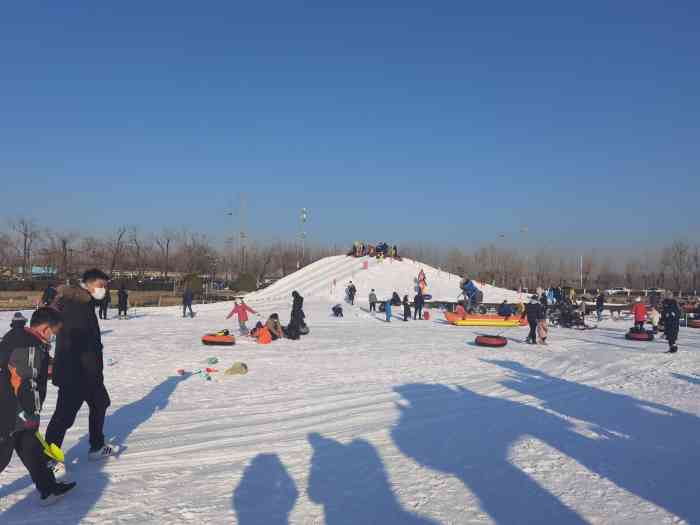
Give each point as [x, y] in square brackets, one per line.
[241, 310]
[640, 314]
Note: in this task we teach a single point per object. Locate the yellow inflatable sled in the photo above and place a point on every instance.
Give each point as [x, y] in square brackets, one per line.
[488, 322]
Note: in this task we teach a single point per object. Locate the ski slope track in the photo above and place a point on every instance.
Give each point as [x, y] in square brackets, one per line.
[328, 278]
[364, 421]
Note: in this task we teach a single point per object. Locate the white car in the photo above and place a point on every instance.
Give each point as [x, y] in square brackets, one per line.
[617, 291]
[654, 290]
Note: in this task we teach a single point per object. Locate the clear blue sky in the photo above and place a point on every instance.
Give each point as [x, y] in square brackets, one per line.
[443, 121]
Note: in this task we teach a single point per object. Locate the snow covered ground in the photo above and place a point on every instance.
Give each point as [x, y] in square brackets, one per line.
[368, 422]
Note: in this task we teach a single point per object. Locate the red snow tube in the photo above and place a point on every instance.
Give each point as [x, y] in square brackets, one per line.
[218, 340]
[639, 336]
[694, 323]
[493, 341]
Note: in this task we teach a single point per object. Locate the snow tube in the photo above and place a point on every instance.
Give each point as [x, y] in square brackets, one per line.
[218, 340]
[493, 341]
[483, 320]
[639, 336]
[694, 323]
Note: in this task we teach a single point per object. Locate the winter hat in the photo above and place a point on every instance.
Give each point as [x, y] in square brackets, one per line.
[18, 317]
[638, 299]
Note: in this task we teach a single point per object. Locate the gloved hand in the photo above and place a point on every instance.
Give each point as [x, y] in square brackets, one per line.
[29, 421]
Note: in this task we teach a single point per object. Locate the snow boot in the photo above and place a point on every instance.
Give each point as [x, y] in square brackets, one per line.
[105, 452]
[672, 350]
[56, 493]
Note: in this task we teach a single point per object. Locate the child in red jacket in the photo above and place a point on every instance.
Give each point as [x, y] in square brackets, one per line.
[640, 314]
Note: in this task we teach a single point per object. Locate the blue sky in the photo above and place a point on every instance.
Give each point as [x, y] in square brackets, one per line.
[452, 122]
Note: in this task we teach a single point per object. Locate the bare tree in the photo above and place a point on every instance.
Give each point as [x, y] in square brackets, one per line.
[115, 247]
[695, 263]
[164, 241]
[140, 249]
[28, 233]
[679, 259]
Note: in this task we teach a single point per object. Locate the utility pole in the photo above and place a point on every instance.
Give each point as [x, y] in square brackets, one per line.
[243, 233]
[302, 234]
[580, 267]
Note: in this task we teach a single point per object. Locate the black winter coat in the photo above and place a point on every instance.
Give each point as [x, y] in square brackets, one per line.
[533, 312]
[24, 372]
[122, 297]
[78, 363]
[670, 316]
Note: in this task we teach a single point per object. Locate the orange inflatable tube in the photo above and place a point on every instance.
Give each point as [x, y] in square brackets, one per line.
[452, 317]
[218, 340]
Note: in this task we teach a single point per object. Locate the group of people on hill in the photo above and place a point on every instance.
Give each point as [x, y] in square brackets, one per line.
[77, 372]
[381, 251]
[272, 329]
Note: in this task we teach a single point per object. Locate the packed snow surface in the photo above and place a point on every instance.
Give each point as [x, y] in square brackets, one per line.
[364, 421]
[329, 277]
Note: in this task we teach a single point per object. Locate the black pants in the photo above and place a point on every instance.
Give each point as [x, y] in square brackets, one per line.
[67, 405]
[352, 299]
[418, 312]
[533, 331]
[406, 313]
[671, 335]
[32, 455]
[122, 309]
[639, 325]
[372, 306]
[103, 310]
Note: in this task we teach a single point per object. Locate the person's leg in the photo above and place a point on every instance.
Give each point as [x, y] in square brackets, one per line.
[67, 406]
[98, 403]
[532, 337]
[242, 327]
[32, 455]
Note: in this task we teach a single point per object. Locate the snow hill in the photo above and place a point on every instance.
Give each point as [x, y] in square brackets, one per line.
[328, 278]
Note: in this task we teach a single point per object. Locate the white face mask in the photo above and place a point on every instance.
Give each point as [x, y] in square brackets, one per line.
[99, 293]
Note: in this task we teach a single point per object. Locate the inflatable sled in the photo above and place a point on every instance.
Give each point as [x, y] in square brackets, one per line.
[492, 341]
[483, 320]
[222, 338]
[479, 320]
[634, 335]
[694, 323]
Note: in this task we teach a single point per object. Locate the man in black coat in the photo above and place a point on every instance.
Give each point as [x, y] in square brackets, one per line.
[671, 318]
[533, 312]
[24, 364]
[296, 322]
[78, 364]
[418, 303]
[49, 295]
[187, 298]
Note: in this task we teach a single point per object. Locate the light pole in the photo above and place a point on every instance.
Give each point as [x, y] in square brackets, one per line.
[302, 234]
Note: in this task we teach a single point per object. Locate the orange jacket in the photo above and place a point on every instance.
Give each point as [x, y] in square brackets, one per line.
[640, 312]
[263, 336]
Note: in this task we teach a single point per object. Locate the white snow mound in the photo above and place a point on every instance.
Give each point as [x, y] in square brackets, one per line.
[328, 278]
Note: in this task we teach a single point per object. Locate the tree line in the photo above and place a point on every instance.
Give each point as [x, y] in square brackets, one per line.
[25, 244]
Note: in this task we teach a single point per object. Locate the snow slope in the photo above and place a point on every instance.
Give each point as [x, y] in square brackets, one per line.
[317, 281]
[368, 422]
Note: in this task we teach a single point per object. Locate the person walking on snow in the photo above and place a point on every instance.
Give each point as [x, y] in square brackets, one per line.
[418, 302]
[671, 316]
[387, 310]
[599, 304]
[241, 310]
[123, 301]
[532, 312]
[24, 371]
[640, 314]
[104, 304]
[406, 308]
[372, 301]
[187, 298]
[78, 365]
[352, 290]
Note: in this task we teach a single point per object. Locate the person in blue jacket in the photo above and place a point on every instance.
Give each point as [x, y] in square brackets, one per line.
[505, 310]
[387, 309]
[470, 290]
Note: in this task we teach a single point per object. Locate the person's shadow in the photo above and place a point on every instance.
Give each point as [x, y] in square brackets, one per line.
[468, 435]
[266, 494]
[351, 483]
[91, 479]
[695, 380]
[646, 448]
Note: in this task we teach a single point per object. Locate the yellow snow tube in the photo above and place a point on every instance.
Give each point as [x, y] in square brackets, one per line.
[488, 322]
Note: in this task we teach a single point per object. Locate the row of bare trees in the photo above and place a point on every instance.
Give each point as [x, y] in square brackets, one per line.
[25, 244]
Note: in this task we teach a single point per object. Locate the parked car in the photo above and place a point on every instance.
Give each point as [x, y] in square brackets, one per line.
[654, 290]
[617, 291]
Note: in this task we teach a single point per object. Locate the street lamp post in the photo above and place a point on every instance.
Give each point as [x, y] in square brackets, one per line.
[303, 216]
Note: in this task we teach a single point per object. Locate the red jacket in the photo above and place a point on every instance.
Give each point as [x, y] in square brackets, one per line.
[242, 311]
[640, 312]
